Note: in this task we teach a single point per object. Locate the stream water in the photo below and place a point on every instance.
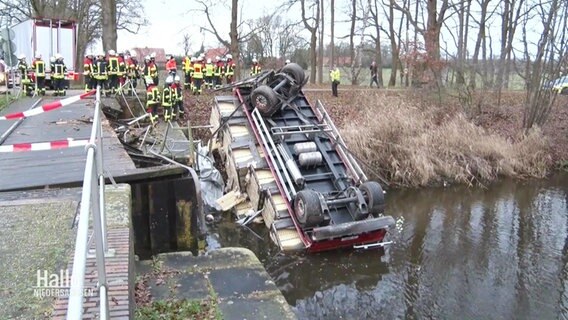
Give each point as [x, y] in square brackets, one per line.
[458, 253]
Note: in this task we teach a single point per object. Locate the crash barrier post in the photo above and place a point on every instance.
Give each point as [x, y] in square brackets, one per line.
[92, 200]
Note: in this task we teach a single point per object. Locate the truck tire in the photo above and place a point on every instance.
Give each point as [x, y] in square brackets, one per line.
[373, 193]
[307, 209]
[295, 71]
[265, 100]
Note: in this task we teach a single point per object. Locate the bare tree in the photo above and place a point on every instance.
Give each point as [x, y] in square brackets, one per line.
[332, 41]
[186, 43]
[109, 24]
[376, 37]
[311, 23]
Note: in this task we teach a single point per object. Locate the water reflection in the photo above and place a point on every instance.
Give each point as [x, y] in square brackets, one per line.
[496, 253]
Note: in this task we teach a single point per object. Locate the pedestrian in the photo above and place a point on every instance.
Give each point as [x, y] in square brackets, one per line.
[373, 69]
[197, 75]
[113, 68]
[255, 68]
[152, 98]
[209, 73]
[24, 75]
[90, 81]
[229, 69]
[100, 73]
[335, 75]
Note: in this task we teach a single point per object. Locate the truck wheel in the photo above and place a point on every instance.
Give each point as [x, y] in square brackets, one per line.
[295, 71]
[373, 193]
[265, 100]
[307, 208]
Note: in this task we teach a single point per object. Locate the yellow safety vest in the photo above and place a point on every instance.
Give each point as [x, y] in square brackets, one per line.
[39, 68]
[197, 71]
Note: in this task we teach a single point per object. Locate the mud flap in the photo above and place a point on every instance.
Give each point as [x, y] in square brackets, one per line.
[352, 228]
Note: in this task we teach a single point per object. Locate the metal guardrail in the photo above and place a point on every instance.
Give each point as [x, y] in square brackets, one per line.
[92, 201]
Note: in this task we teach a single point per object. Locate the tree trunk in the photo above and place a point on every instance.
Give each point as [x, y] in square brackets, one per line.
[235, 37]
[478, 42]
[109, 24]
[352, 40]
[332, 44]
[313, 38]
[394, 46]
[321, 45]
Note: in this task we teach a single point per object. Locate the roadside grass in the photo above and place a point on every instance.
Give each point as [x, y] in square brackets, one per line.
[410, 140]
[179, 310]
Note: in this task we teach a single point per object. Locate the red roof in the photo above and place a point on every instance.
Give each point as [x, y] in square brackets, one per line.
[160, 53]
[216, 52]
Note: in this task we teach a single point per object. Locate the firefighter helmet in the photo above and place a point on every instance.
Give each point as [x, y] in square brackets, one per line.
[52, 59]
[208, 60]
[22, 56]
[153, 55]
[133, 54]
[58, 56]
[217, 58]
[254, 60]
[230, 57]
[169, 79]
[177, 79]
[37, 55]
[111, 52]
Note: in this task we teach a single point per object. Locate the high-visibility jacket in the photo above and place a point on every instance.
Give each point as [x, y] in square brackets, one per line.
[186, 64]
[255, 69]
[197, 70]
[177, 94]
[219, 68]
[87, 66]
[39, 68]
[167, 97]
[100, 69]
[58, 70]
[171, 65]
[209, 69]
[335, 75]
[113, 64]
[230, 68]
[132, 67]
[152, 95]
[121, 66]
[23, 68]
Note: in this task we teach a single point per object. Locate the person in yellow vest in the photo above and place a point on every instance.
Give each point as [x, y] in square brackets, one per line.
[100, 73]
[168, 98]
[335, 75]
[24, 76]
[197, 75]
[38, 65]
[113, 65]
[229, 69]
[152, 98]
[218, 73]
[255, 68]
[58, 75]
[186, 66]
[209, 71]
[178, 94]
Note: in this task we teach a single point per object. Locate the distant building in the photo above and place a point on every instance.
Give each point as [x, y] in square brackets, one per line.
[160, 53]
[216, 52]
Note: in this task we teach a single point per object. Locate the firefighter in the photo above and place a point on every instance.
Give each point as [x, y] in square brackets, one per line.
[152, 98]
[24, 76]
[197, 75]
[177, 93]
[132, 72]
[38, 67]
[88, 72]
[209, 72]
[113, 65]
[58, 75]
[229, 69]
[255, 68]
[218, 73]
[187, 68]
[150, 69]
[171, 65]
[154, 75]
[100, 73]
[168, 98]
[121, 71]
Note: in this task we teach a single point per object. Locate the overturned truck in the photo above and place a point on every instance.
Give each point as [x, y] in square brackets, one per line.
[288, 158]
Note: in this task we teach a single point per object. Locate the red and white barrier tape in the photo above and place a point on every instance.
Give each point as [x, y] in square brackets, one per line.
[38, 146]
[47, 107]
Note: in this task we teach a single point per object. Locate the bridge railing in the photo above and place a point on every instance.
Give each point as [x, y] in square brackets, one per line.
[92, 202]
